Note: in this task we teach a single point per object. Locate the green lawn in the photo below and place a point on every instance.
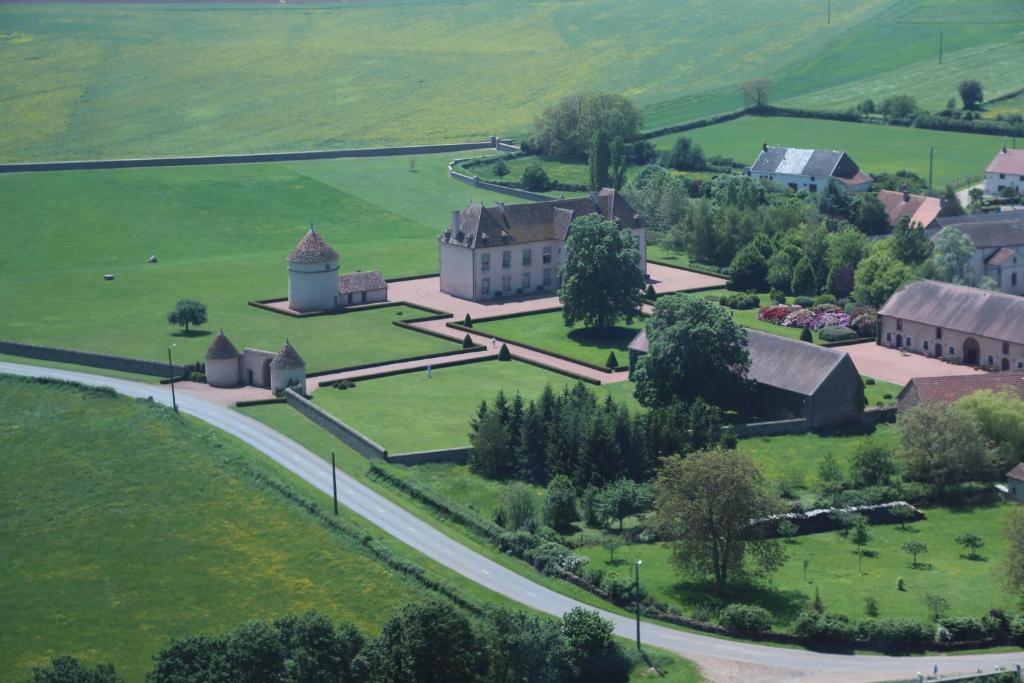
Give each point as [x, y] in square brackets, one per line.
[412, 412]
[222, 235]
[125, 526]
[876, 393]
[549, 332]
[874, 147]
[971, 587]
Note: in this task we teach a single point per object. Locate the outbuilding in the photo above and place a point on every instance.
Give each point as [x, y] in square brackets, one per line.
[287, 369]
[222, 363]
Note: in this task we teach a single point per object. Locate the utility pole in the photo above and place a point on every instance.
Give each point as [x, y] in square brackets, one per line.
[636, 601]
[940, 47]
[170, 374]
[931, 159]
[828, 12]
[334, 481]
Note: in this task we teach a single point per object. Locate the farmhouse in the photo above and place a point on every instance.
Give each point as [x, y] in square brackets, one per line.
[949, 388]
[808, 169]
[999, 246]
[919, 209]
[1005, 171]
[794, 379]
[314, 284]
[516, 249]
[956, 323]
[226, 367]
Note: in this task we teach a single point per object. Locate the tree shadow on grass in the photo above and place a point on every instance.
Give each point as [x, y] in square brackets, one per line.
[191, 333]
[784, 605]
[974, 557]
[617, 338]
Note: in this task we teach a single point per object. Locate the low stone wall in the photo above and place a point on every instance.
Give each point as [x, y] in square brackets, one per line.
[799, 425]
[459, 456]
[511, 191]
[108, 361]
[349, 436]
[818, 521]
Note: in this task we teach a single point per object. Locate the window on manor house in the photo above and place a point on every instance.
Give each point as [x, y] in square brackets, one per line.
[485, 285]
[506, 259]
[547, 277]
[527, 257]
[506, 283]
[485, 262]
[526, 280]
[938, 333]
[546, 255]
[1006, 347]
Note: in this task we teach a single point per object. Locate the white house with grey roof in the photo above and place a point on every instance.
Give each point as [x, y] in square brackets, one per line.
[517, 249]
[808, 169]
[998, 246]
[314, 284]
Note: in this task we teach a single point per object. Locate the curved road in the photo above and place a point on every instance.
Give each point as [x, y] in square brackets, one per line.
[722, 659]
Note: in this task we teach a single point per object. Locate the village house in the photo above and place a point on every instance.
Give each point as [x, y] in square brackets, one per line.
[949, 388]
[919, 209]
[517, 249]
[999, 246]
[808, 169]
[227, 368]
[794, 379]
[955, 323]
[314, 284]
[1006, 170]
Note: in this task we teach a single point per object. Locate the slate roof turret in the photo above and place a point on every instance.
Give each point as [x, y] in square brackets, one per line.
[312, 249]
[287, 357]
[221, 347]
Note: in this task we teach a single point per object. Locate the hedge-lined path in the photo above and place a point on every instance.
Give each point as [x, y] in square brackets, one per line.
[721, 660]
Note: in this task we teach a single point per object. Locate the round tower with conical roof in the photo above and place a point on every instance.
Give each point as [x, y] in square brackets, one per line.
[312, 275]
[222, 363]
[287, 369]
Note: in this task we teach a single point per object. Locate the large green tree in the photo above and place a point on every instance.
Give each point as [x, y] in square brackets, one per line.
[910, 244]
[941, 445]
[704, 504]
[599, 160]
[999, 416]
[951, 258]
[695, 349]
[566, 128]
[601, 278]
[879, 275]
[186, 313]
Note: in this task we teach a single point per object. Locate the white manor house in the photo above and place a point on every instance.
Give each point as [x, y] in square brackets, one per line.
[517, 249]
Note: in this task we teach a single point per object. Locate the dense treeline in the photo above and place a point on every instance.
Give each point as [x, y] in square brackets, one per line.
[423, 643]
[592, 442]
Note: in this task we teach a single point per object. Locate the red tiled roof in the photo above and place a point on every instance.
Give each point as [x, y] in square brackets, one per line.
[1007, 161]
[920, 209]
[1017, 472]
[951, 387]
[312, 249]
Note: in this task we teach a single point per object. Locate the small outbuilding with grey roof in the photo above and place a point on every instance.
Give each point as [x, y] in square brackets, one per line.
[809, 169]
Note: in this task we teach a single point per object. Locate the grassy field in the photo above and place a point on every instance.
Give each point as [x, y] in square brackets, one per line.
[548, 331]
[972, 587]
[124, 527]
[876, 393]
[412, 412]
[87, 81]
[222, 235]
[874, 147]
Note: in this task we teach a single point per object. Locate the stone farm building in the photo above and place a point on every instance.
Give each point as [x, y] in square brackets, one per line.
[1006, 170]
[949, 388]
[516, 249]
[809, 169]
[314, 284]
[919, 209]
[999, 246]
[955, 323]
[794, 379]
[226, 367]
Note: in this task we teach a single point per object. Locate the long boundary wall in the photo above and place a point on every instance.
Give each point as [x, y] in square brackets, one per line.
[349, 436]
[97, 360]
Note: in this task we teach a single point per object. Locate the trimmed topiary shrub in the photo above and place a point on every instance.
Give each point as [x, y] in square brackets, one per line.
[804, 301]
[650, 293]
[806, 336]
[746, 618]
[467, 342]
[467, 321]
[777, 296]
[834, 333]
[612, 361]
[825, 299]
[504, 353]
[869, 381]
[740, 301]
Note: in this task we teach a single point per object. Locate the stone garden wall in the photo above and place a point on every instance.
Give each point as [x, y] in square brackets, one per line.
[97, 360]
[348, 435]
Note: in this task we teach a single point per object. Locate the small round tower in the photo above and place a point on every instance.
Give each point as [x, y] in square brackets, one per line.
[287, 369]
[222, 363]
[312, 275]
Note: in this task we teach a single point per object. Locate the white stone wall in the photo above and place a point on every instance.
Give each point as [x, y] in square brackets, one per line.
[924, 341]
[994, 182]
[282, 378]
[313, 286]
[456, 268]
[223, 372]
[256, 362]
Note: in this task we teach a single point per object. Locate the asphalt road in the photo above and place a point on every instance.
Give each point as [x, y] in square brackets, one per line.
[722, 659]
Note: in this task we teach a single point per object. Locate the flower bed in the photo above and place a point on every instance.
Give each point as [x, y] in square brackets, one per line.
[823, 315]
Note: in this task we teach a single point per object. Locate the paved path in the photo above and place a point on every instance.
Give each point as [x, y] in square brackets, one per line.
[722, 660]
[898, 367]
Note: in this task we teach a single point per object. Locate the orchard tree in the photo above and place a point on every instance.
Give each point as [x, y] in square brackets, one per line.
[915, 548]
[623, 498]
[704, 504]
[187, 312]
[971, 93]
[941, 445]
[695, 349]
[560, 504]
[971, 543]
[601, 278]
[755, 93]
[860, 537]
[873, 465]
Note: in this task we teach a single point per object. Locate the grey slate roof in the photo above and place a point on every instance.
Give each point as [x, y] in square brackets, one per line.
[790, 364]
[955, 307]
[287, 357]
[312, 249]
[988, 230]
[822, 163]
[489, 226]
[363, 281]
[221, 347]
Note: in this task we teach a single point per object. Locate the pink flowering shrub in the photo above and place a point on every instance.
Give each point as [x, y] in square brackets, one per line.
[830, 319]
[799, 317]
[774, 314]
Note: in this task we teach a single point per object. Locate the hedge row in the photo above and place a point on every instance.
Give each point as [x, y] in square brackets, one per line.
[922, 119]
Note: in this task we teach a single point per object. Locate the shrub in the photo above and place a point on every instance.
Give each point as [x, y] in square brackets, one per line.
[554, 558]
[500, 169]
[823, 626]
[825, 299]
[896, 633]
[806, 336]
[746, 618]
[504, 353]
[777, 296]
[467, 321]
[865, 324]
[344, 384]
[804, 301]
[740, 301]
[1017, 629]
[834, 333]
[650, 293]
[774, 314]
[535, 178]
[467, 342]
[612, 361]
[870, 381]
[969, 629]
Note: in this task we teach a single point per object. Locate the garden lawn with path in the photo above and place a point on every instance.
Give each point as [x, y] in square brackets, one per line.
[548, 331]
[875, 148]
[221, 235]
[972, 587]
[413, 412]
[878, 391]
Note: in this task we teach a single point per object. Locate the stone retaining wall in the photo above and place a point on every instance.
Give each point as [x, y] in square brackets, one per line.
[457, 455]
[138, 366]
[348, 435]
[511, 191]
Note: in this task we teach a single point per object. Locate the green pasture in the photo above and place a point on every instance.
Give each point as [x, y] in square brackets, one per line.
[88, 81]
[972, 587]
[549, 332]
[221, 235]
[125, 526]
[413, 412]
[875, 148]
